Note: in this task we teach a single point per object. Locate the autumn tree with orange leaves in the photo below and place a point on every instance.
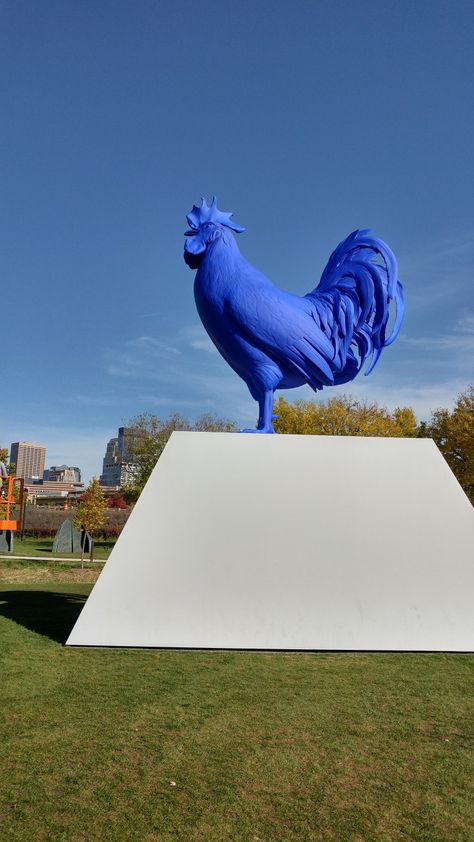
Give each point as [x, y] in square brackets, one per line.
[343, 416]
[90, 513]
[453, 432]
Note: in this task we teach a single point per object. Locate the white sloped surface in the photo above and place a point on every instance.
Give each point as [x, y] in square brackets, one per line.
[291, 542]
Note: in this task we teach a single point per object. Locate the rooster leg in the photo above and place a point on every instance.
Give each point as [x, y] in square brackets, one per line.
[265, 416]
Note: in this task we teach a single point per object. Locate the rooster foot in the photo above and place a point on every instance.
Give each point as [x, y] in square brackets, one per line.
[257, 430]
[265, 416]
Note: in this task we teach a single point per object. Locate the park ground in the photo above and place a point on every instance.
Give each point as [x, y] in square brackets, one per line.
[42, 549]
[179, 746]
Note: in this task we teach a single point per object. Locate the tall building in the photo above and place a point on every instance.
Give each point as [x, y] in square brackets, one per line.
[110, 465]
[118, 466]
[28, 457]
[62, 473]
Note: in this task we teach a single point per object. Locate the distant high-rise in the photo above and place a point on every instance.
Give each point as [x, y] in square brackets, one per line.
[28, 458]
[62, 473]
[110, 466]
[119, 467]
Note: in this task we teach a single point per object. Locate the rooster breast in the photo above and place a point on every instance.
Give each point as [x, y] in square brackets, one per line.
[256, 327]
[228, 306]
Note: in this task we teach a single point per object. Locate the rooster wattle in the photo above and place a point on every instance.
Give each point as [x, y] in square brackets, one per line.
[277, 340]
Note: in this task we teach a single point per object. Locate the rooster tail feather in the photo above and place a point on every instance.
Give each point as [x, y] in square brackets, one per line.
[400, 305]
[353, 301]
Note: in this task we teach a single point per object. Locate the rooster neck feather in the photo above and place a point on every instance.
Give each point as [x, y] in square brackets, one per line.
[220, 264]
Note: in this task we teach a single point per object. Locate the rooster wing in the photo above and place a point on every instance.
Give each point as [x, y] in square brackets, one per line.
[312, 339]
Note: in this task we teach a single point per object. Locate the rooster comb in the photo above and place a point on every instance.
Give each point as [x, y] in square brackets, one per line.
[203, 214]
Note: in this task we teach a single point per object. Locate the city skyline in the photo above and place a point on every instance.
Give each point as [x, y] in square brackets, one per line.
[29, 459]
[306, 123]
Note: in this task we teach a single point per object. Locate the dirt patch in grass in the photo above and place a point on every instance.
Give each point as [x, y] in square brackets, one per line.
[17, 572]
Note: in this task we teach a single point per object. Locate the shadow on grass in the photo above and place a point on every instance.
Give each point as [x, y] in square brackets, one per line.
[51, 614]
[29, 548]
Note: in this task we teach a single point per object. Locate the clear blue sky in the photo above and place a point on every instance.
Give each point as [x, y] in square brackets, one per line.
[306, 119]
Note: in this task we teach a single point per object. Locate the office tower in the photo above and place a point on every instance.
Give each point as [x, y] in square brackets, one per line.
[119, 467]
[62, 473]
[28, 458]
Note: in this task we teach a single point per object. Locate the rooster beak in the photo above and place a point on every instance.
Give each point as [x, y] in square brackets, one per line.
[190, 233]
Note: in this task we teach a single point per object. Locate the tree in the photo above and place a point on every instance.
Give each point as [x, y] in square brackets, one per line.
[453, 432]
[90, 513]
[148, 448]
[343, 416]
[117, 502]
[10, 466]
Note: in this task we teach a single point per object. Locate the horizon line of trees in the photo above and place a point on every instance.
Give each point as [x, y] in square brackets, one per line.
[452, 431]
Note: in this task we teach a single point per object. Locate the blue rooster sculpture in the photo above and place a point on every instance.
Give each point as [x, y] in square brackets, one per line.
[277, 340]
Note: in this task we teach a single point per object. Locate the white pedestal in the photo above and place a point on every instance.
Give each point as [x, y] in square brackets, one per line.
[247, 541]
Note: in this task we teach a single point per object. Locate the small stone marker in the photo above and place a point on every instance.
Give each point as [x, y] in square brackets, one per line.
[67, 538]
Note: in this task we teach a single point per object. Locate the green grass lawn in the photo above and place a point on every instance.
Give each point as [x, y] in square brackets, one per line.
[263, 747]
[43, 547]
